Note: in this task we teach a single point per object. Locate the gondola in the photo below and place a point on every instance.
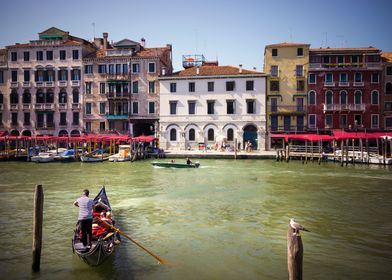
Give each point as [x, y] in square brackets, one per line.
[104, 240]
[176, 165]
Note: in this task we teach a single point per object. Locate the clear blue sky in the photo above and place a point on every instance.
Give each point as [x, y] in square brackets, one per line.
[235, 32]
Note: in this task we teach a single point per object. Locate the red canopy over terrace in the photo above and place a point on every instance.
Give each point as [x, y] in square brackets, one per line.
[144, 138]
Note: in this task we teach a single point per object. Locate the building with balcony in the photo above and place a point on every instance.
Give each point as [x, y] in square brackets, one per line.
[200, 104]
[344, 89]
[44, 93]
[3, 88]
[287, 66]
[386, 95]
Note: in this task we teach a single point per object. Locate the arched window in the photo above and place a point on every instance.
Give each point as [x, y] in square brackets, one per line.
[14, 98]
[312, 98]
[343, 97]
[329, 97]
[388, 88]
[1, 98]
[230, 134]
[49, 96]
[192, 134]
[173, 134]
[62, 96]
[75, 96]
[358, 97]
[40, 96]
[374, 97]
[210, 135]
[26, 97]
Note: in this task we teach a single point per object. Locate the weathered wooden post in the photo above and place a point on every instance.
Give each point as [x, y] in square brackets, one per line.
[235, 148]
[294, 254]
[37, 226]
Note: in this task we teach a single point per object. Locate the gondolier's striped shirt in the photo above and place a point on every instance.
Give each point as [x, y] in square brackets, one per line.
[85, 208]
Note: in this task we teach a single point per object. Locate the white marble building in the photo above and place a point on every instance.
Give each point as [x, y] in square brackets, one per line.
[203, 104]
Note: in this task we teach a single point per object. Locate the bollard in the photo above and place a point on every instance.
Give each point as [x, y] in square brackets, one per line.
[294, 254]
[37, 227]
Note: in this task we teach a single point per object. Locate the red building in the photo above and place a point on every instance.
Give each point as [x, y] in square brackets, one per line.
[344, 89]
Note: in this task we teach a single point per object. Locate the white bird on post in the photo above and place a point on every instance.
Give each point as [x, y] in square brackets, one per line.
[297, 226]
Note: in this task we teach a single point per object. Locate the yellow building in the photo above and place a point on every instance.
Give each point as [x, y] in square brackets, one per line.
[287, 65]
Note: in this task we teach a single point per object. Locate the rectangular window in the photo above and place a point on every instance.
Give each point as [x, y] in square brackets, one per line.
[102, 68]
[102, 126]
[88, 87]
[210, 107]
[63, 54]
[63, 75]
[191, 107]
[328, 78]
[125, 68]
[111, 68]
[312, 78]
[354, 59]
[75, 118]
[375, 119]
[173, 87]
[1, 79]
[26, 75]
[151, 86]
[63, 118]
[151, 67]
[274, 52]
[388, 106]
[102, 88]
[88, 108]
[14, 56]
[388, 122]
[26, 118]
[250, 106]
[343, 121]
[300, 85]
[14, 75]
[343, 77]
[312, 120]
[135, 108]
[26, 56]
[173, 107]
[210, 86]
[340, 59]
[230, 85]
[299, 70]
[326, 59]
[151, 107]
[135, 86]
[388, 70]
[135, 68]
[40, 55]
[357, 120]
[75, 75]
[102, 108]
[375, 78]
[75, 54]
[274, 85]
[358, 77]
[191, 87]
[274, 70]
[300, 51]
[88, 69]
[230, 109]
[250, 85]
[49, 55]
[118, 68]
[14, 118]
[328, 121]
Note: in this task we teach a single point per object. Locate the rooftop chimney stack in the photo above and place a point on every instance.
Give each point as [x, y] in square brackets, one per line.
[240, 70]
[163, 71]
[143, 42]
[197, 70]
[105, 40]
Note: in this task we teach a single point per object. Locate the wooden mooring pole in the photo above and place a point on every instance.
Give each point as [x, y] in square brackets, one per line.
[294, 254]
[37, 226]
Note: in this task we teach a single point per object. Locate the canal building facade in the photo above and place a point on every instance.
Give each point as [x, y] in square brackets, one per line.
[386, 100]
[287, 66]
[204, 104]
[3, 90]
[44, 85]
[344, 89]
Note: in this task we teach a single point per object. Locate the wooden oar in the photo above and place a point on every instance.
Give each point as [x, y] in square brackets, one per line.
[160, 260]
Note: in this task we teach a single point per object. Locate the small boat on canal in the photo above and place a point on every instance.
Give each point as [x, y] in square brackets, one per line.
[95, 156]
[104, 239]
[124, 154]
[172, 164]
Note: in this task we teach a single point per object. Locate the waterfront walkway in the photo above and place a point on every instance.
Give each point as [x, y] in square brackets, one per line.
[219, 154]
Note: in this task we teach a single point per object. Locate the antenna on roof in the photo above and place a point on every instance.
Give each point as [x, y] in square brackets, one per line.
[93, 30]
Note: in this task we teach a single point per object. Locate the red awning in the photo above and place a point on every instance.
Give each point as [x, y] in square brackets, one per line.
[144, 138]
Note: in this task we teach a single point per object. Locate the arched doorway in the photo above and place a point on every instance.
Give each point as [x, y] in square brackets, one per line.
[250, 134]
[14, 133]
[63, 133]
[75, 133]
[26, 133]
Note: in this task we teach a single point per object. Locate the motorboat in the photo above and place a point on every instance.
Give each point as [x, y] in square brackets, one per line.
[123, 154]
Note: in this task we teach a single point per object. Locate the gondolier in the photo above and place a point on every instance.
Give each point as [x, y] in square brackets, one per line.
[85, 218]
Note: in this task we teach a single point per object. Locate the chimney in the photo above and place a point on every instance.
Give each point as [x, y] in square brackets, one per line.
[142, 42]
[240, 70]
[105, 40]
[254, 68]
[197, 70]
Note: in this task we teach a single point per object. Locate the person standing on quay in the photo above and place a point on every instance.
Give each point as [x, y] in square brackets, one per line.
[85, 219]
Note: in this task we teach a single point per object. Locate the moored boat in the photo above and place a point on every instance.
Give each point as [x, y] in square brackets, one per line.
[122, 155]
[103, 239]
[176, 164]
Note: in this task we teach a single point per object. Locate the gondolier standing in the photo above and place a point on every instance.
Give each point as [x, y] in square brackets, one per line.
[85, 219]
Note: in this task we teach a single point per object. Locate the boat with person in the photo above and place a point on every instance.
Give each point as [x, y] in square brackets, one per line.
[173, 164]
[123, 154]
[104, 238]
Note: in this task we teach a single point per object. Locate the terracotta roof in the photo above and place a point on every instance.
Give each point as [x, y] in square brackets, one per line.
[387, 56]
[286, 44]
[148, 52]
[72, 42]
[213, 71]
[328, 50]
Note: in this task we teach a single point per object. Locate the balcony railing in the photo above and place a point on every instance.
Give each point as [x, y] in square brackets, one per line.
[116, 77]
[63, 83]
[118, 95]
[368, 65]
[14, 107]
[110, 116]
[75, 83]
[14, 84]
[344, 107]
[280, 109]
[287, 128]
[49, 106]
[26, 84]
[329, 84]
[26, 106]
[39, 84]
[76, 106]
[49, 84]
[62, 106]
[344, 84]
[44, 106]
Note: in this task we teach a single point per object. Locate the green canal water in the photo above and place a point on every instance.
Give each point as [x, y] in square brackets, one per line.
[225, 220]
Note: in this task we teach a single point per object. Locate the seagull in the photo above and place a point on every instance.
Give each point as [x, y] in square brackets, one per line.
[296, 226]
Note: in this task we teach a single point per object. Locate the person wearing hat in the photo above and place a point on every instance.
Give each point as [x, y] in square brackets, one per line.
[85, 218]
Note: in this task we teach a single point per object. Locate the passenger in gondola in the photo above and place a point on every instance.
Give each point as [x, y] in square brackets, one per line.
[188, 161]
[85, 218]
